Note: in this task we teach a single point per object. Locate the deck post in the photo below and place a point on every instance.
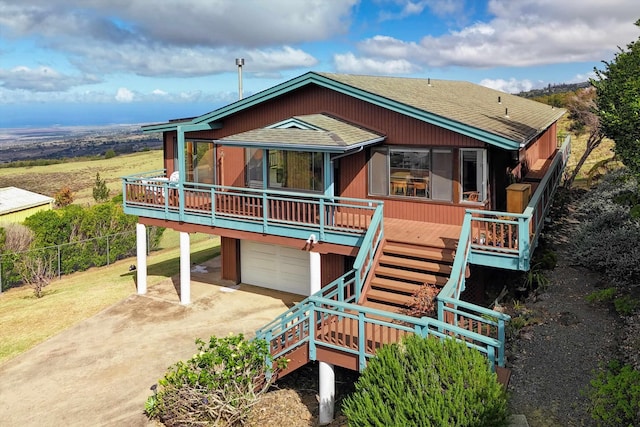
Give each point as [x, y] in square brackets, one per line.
[327, 392]
[185, 269]
[314, 273]
[141, 258]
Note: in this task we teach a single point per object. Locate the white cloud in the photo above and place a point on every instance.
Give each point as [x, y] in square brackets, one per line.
[520, 33]
[349, 63]
[124, 95]
[410, 7]
[510, 86]
[41, 79]
[159, 92]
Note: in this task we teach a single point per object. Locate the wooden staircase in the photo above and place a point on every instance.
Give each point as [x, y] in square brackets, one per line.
[400, 271]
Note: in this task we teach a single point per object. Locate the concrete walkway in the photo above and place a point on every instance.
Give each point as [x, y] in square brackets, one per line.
[98, 373]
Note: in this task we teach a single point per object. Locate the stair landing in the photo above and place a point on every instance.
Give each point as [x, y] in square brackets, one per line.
[421, 233]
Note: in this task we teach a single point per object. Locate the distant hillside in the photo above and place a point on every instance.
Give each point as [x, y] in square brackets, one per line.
[553, 89]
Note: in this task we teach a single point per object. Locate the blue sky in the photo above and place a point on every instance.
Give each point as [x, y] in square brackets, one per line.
[79, 62]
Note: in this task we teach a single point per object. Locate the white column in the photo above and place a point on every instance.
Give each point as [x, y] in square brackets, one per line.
[327, 393]
[314, 273]
[185, 268]
[141, 258]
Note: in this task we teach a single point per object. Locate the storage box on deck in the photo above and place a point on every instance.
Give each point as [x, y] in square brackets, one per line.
[518, 196]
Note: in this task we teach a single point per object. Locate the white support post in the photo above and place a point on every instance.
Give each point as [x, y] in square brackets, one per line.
[327, 393]
[314, 273]
[185, 269]
[141, 258]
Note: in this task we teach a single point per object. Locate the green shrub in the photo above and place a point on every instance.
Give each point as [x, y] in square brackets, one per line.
[427, 382]
[603, 295]
[110, 153]
[615, 396]
[218, 385]
[625, 305]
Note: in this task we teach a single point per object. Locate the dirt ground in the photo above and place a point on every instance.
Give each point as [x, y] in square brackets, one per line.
[98, 373]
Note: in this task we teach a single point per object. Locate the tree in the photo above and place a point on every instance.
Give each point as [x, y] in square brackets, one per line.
[100, 190]
[583, 113]
[64, 197]
[37, 271]
[618, 101]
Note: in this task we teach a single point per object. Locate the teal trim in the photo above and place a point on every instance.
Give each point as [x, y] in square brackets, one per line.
[327, 175]
[313, 78]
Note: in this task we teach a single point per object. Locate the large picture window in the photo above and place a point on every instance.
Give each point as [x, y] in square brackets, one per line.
[200, 160]
[416, 173]
[292, 170]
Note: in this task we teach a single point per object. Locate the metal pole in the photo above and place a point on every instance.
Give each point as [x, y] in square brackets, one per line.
[107, 249]
[239, 63]
[0, 274]
[59, 269]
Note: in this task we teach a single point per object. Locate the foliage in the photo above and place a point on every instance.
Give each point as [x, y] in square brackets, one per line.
[110, 153]
[82, 233]
[37, 270]
[423, 302]
[582, 112]
[617, 87]
[218, 385]
[427, 382]
[100, 190]
[535, 278]
[603, 295]
[615, 396]
[626, 305]
[14, 238]
[607, 240]
[64, 197]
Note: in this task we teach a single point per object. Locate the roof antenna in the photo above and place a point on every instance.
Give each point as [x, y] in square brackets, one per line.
[499, 100]
[429, 81]
[506, 112]
[239, 63]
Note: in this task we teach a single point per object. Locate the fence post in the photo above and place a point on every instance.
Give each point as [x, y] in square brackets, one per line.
[107, 249]
[59, 269]
[0, 274]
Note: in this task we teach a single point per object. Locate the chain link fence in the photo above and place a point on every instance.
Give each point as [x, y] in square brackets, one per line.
[74, 256]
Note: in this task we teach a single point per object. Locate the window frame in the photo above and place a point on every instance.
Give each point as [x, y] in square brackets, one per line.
[481, 187]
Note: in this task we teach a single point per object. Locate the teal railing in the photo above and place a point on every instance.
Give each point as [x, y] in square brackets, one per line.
[338, 220]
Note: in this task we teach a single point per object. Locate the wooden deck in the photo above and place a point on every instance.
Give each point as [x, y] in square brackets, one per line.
[421, 233]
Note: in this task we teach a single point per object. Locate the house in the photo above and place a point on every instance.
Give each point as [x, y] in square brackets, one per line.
[355, 192]
[17, 204]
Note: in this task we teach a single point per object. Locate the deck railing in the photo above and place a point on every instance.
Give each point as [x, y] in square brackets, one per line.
[270, 211]
[507, 240]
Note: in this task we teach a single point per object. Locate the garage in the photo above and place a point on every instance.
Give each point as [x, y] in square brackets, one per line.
[274, 267]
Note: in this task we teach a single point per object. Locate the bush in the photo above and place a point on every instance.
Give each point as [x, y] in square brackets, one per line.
[64, 197]
[427, 382]
[607, 240]
[218, 385]
[100, 190]
[615, 396]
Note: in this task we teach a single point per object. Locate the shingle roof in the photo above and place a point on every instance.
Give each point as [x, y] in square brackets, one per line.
[513, 117]
[323, 132]
[15, 199]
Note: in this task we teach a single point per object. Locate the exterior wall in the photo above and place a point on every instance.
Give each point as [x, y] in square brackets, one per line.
[542, 148]
[230, 253]
[332, 266]
[21, 215]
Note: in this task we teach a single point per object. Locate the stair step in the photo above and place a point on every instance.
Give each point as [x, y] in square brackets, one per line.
[383, 307]
[412, 276]
[425, 252]
[417, 264]
[383, 296]
[394, 285]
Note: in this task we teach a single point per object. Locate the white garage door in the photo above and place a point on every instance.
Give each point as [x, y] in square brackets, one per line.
[274, 267]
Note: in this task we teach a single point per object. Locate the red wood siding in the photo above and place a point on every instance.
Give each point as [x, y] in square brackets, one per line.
[332, 266]
[230, 252]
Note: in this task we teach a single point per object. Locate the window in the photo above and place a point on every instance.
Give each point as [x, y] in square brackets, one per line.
[200, 160]
[473, 175]
[416, 173]
[254, 167]
[296, 170]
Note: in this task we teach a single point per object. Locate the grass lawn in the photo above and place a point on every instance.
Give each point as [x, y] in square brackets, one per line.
[80, 175]
[26, 321]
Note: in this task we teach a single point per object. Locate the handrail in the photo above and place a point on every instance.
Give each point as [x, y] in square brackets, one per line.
[368, 249]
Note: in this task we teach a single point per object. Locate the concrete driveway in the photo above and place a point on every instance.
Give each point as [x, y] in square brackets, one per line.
[98, 372]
